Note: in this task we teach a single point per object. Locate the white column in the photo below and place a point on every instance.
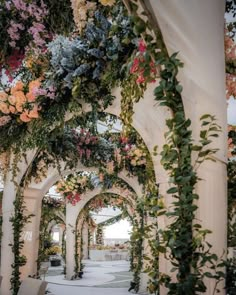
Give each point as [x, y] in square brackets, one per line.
[71, 215]
[85, 240]
[144, 278]
[9, 196]
[31, 233]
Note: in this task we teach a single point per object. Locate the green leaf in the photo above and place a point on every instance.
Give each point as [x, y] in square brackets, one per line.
[172, 190]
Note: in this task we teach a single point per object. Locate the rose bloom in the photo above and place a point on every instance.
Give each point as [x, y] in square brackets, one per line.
[34, 85]
[18, 87]
[19, 107]
[24, 117]
[33, 113]
[20, 97]
[12, 99]
[31, 97]
[12, 109]
[3, 96]
[4, 108]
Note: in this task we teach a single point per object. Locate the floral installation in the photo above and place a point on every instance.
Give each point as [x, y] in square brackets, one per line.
[53, 202]
[20, 102]
[83, 12]
[230, 56]
[230, 86]
[71, 68]
[74, 186]
[54, 250]
[26, 27]
[143, 66]
[85, 143]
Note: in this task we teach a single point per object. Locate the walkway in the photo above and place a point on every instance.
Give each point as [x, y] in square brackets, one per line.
[100, 278]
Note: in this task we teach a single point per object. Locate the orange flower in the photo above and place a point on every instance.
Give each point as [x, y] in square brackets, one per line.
[20, 97]
[34, 113]
[12, 99]
[19, 107]
[18, 87]
[24, 117]
[3, 96]
[12, 109]
[4, 108]
[34, 85]
[30, 97]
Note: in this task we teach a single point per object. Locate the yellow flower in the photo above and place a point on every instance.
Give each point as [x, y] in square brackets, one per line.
[107, 2]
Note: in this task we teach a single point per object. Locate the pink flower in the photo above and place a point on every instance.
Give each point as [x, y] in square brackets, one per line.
[142, 46]
[4, 120]
[135, 66]
[140, 80]
[88, 153]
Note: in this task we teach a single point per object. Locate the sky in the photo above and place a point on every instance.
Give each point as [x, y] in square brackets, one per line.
[119, 230]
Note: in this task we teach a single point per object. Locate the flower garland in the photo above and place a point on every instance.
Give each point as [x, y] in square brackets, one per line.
[74, 186]
[19, 102]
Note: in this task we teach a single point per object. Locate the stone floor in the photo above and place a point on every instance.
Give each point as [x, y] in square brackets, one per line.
[100, 278]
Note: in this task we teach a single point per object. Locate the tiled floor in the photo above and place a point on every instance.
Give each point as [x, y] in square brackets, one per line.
[100, 278]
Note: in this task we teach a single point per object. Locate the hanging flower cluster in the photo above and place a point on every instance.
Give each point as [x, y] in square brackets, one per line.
[27, 22]
[230, 47]
[137, 156]
[230, 86]
[85, 143]
[53, 202]
[20, 102]
[74, 186]
[83, 12]
[26, 27]
[142, 66]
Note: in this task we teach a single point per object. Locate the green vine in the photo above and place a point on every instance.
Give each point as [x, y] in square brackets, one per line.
[19, 220]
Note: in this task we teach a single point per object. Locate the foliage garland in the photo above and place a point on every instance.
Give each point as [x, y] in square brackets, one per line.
[188, 253]
[19, 220]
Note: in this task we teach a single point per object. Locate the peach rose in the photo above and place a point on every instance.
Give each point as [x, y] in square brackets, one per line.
[12, 109]
[4, 108]
[31, 97]
[12, 99]
[34, 85]
[20, 97]
[24, 117]
[3, 96]
[18, 87]
[33, 113]
[19, 107]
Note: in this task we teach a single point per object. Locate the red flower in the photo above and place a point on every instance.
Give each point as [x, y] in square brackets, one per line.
[135, 66]
[142, 46]
[140, 79]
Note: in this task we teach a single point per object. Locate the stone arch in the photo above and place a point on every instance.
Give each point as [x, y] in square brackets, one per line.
[37, 191]
[82, 221]
[204, 91]
[72, 222]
